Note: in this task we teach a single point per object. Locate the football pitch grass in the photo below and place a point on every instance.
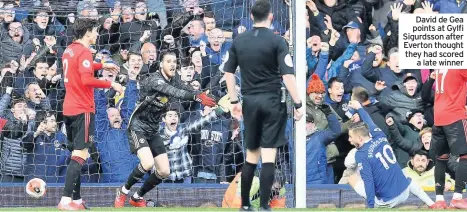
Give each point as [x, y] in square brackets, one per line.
[213, 209]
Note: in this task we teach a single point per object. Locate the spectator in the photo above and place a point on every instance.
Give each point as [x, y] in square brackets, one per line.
[339, 103]
[187, 71]
[213, 138]
[41, 25]
[197, 33]
[36, 98]
[47, 153]
[421, 169]
[351, 74]
[427, 94]
[111, 124]
[233, 152]
[14, 44]
[377, 110]
[405, 138]
[404, 98]
[351, 34]
[317, 140]
[131, 32]
[20, 121]
[209, 22]
[217, 47]
[316, 93]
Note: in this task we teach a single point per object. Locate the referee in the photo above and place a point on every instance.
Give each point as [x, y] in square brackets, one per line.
[264, 62]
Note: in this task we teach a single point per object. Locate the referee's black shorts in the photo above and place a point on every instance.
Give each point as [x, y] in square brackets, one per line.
[265, 119]
[80, 131]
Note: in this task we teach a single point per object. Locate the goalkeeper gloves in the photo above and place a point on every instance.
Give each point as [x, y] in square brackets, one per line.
[205, 100]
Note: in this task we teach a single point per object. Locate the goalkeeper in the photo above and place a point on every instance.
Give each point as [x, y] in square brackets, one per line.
[232, 197]
[155, 94]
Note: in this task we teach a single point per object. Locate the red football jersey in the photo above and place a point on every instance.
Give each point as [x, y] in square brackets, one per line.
[78, 75]
[450, 96]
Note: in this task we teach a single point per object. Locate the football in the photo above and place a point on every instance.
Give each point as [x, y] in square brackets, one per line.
[36, 188]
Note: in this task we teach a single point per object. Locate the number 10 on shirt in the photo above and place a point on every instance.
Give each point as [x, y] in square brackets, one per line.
[385, 158]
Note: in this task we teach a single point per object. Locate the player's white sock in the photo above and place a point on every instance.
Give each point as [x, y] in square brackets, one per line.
[65, 200]
[457, 196]
[78, 201]
[136, 196]
[417, 191]
[125, 191]
[439, 198]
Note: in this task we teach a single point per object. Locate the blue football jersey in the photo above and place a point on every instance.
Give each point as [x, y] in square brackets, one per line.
[382, 176]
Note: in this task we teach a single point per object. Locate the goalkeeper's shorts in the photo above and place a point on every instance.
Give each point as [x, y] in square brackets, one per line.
[139, 140]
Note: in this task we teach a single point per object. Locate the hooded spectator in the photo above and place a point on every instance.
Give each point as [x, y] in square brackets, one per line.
[15, 43]
[404, 97]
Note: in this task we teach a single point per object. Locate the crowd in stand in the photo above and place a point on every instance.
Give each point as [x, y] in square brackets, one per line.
[133, 35]
[351, 54]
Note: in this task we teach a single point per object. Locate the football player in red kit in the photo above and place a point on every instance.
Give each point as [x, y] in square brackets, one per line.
[78, 107]
[449, 132]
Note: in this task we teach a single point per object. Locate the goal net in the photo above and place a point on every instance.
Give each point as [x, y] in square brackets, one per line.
[34, 35]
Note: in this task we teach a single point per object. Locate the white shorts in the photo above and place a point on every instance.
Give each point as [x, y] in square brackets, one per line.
[396, 201]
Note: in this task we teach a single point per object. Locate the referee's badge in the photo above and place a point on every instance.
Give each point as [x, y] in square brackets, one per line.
[86, 63]
[288, 60]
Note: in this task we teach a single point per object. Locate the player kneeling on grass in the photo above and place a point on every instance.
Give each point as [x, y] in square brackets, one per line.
[155, 94]
[383, 183]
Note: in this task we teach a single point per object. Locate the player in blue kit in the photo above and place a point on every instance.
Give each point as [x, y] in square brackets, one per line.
[383, 183]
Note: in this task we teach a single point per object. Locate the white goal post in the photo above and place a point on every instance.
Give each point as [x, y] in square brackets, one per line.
[299, 39]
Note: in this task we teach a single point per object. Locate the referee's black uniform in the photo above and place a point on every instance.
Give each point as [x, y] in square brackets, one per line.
[263, 57]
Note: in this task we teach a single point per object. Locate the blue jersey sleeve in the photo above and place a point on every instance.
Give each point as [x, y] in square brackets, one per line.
[367, 177]
[375, 131]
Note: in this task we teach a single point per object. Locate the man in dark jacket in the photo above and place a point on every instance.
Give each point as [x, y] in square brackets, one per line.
[405, 137]
[339, 103]
[404, 97]
[14, 43]
[20, 120]
[377, 110]
[47, 157]
[391, 74]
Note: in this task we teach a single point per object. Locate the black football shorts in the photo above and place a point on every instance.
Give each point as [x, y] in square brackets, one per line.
[265, 119]
[80, 131]
[450, 139]
[139, 140]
